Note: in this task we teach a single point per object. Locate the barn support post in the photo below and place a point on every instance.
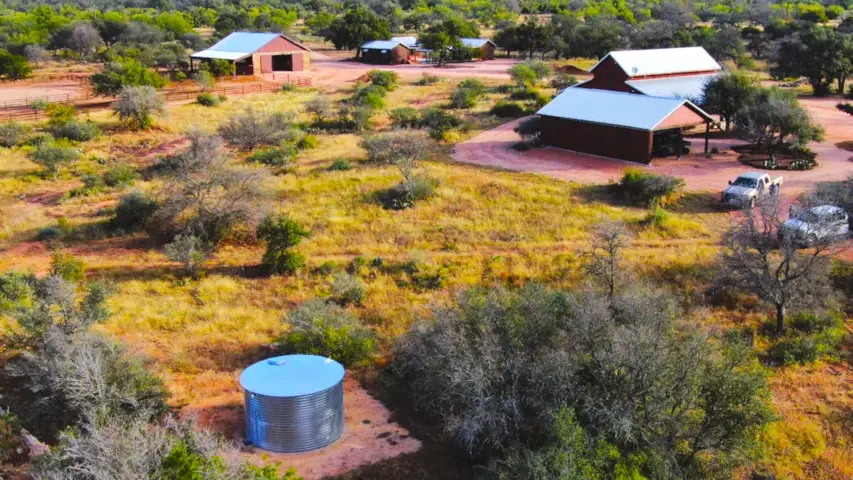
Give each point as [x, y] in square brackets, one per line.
[707, 134]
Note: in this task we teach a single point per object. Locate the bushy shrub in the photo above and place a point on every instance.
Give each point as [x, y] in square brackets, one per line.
[563, 81]
[132, 213]
[385, 79]
[405, 117]
[308, 142]
[657, 217]
[474, 85]
[63, 264]
[137, 105]
[427, 79]
[190, 251]
[507, 110]
[273, 156]
[499, 359]
[530, 94]
[462, 98]
[529, 129]
[281, 234]
[347, 289]
[810, 337]
[289, 87]
[643, 188]
[76, 131]
[439, 122]
[53, 155]
[401, 197]
[122, 175]
[326, 329]
[340, 165]
[372, 96]
[207, 99]
[11, 134]
[252, 129]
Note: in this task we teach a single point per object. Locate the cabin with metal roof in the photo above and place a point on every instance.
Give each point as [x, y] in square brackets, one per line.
[619, 124]
[484, 47]
[257, 53]
[385, 52]
[666, 72]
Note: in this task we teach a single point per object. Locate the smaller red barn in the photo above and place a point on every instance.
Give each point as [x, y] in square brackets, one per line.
[618, 124]
[255, 53]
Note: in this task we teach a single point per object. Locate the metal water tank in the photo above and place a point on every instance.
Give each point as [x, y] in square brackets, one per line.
[294, 403]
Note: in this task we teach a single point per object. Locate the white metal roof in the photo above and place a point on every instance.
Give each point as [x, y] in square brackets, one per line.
[621, 109]
[382, 45]
[661, 61]
[475, 42]
[691, 87]
[410, 42]
[221, 55]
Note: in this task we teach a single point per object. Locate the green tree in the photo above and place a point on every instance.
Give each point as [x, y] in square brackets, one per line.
[356, 27]
[14, 67]
[445, 37]
[281, 234]
[820, 54]
[125, 72]
[726, 94]
[774, 119]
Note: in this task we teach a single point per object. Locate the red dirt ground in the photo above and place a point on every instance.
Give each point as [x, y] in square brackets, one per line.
[369, 436]
[53, 90]
[332, 73]
[494, 148]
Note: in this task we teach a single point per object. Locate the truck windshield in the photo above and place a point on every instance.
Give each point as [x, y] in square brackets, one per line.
[745, 182]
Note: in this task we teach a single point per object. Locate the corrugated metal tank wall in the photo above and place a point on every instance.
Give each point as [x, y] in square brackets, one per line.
[295, 424]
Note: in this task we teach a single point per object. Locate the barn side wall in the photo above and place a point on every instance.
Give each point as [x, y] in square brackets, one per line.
[610, 76]
[604, 140]
[280, 45]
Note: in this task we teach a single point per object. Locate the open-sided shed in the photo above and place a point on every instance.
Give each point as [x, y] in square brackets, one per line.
[255, 53]
[617, 124]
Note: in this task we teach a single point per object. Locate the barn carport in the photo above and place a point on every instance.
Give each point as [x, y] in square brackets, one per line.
[619, 125]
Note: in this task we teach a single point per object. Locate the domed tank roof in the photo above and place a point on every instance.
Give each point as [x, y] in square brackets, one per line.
[292, 375]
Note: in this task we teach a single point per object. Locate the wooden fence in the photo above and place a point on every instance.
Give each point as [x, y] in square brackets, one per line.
[22, 109]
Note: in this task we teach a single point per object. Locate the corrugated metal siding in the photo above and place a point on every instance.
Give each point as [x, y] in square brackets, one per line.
[608, 76]
[603, 140]
[280, 45]
[295, 424]
[683, 117]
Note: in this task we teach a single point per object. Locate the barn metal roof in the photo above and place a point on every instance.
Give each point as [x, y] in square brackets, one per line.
[382, 45]
[237, 45]
[662, 61]
[475, 42]
[410, 42]
[620, 109]
[691, 87]
[291, 375]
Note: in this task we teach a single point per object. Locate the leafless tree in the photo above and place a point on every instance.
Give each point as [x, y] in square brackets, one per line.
[35, 53]
[321, 107]
[252, 129]
[205, 197]
[608, 240]
[761, 259]
[402, 149]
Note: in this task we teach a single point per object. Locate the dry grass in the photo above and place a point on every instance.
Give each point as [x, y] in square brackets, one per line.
[483, 227]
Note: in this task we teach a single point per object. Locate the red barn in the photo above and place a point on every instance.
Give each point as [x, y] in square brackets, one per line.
[254, 53]
[662, 72]
[618, 124]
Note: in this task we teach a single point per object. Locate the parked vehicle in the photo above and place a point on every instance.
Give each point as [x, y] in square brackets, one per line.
[826, 223]
[745, 190]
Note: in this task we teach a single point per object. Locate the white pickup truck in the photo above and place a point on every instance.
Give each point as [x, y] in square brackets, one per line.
[747, 188]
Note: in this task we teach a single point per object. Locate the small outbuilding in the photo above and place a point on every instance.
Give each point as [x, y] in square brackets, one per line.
[385, 52]
[481, 48]
[618, 124]
[256, 53]
[294, 403]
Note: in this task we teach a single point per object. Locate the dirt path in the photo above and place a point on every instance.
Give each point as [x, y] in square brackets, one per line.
[332, 73]
[494, 148]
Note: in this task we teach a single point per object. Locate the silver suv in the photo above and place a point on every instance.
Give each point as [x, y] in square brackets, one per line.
[826, 223]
